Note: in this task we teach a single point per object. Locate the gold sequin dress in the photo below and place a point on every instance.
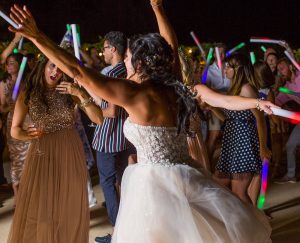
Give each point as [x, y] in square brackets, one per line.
[53, 200]
[17, 149]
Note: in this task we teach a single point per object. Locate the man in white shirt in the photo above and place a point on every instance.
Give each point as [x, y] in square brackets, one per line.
[217, 81]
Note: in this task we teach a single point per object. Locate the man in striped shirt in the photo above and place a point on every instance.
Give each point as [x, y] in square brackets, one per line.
[112, 147]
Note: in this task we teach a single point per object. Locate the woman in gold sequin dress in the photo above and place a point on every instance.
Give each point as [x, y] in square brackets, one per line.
[53, 193]
[17, 149]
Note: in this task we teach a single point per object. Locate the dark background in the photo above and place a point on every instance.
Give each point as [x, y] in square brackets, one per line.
[215, 20]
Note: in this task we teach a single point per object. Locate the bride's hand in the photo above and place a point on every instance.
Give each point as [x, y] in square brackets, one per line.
[155, 3]
[25, 20]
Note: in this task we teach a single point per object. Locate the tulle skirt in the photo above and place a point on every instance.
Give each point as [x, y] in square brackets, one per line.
[53, 203]
[178, 204]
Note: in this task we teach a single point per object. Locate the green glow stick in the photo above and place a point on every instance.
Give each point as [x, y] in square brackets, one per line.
[287, 91]
[263, 48]
[252, 57]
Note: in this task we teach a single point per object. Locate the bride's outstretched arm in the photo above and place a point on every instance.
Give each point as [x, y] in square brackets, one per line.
[204, 94]
[167, 31]
[120, 92]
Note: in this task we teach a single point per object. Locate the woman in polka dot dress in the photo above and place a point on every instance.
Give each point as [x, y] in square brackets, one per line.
[242, 149]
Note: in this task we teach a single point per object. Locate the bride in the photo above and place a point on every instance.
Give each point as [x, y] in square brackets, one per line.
[164, 198]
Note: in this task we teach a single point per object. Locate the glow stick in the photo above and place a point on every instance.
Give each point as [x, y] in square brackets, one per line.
[75, 41]
[292, 60]
[252, 57]
[197, 42]
[21, 43]
[263, 48]
[265, 40]
[293, 116]
[264, 183]
[78, 35]
[239, 46]
[218, 58]
[208, 59]
[287, 91]
[8, 20]
[19, 78]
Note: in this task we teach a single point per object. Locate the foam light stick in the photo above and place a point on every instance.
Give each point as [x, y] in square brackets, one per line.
[264, 183]
[78, 35]
[265, 40]
[20, 46]
[75, 41]
[239, 46]
[197, 43]
[219, 61]
[293, 116]
[8, 20]
[292, 60]
[287, 91]
[263, 48]
[208, 59]
[252, 57]
[19, 78]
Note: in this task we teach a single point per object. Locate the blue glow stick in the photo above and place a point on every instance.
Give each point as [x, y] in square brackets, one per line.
[9, 20]
[19, 78]
[20, 46]
[208, 59]
[264, 183]
[75, 41]
[239, 46]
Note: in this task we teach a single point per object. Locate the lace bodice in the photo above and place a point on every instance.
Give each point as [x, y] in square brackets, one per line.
[157, 145]
[58, 116]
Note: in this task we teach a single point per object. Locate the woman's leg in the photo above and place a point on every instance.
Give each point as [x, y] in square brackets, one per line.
[254, 188]
[222, 181]
[240, 188]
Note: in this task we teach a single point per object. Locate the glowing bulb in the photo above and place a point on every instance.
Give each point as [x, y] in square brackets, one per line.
[190, 50]
[100, 54]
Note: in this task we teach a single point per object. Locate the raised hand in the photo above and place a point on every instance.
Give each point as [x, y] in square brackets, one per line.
[68, 88]
[25, 20]
[155, 3]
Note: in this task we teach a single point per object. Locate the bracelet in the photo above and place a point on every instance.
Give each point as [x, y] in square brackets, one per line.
[86, 102]
[257, 106]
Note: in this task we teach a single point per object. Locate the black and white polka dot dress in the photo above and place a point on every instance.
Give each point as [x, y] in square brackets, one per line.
[240, 146]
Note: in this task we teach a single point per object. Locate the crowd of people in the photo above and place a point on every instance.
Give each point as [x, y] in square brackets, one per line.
[178, 159]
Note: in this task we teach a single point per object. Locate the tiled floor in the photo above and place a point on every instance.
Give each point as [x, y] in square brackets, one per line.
[285, 222]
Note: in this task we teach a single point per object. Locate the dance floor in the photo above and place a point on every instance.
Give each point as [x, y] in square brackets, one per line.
[282, 204]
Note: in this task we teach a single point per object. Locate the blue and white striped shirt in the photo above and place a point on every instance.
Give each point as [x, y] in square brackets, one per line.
[109, 136]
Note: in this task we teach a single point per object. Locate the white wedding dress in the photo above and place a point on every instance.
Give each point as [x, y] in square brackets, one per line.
[164, 200]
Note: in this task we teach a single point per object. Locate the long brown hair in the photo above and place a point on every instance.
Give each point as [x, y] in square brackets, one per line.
[263, 74]
[36, 83]
[243, 73]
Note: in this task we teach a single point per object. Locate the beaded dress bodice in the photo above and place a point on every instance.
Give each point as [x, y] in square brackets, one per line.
[57, 116]
[157, 145]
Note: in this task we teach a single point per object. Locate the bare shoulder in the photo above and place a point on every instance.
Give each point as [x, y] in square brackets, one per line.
[248, 91]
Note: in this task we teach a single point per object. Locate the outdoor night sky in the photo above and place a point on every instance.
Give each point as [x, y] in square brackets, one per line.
[212, 20]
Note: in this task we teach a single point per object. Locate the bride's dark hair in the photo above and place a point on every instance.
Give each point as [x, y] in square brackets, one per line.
[153, 60]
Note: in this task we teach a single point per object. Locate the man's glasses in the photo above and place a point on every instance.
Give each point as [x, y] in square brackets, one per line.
[104, 47]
